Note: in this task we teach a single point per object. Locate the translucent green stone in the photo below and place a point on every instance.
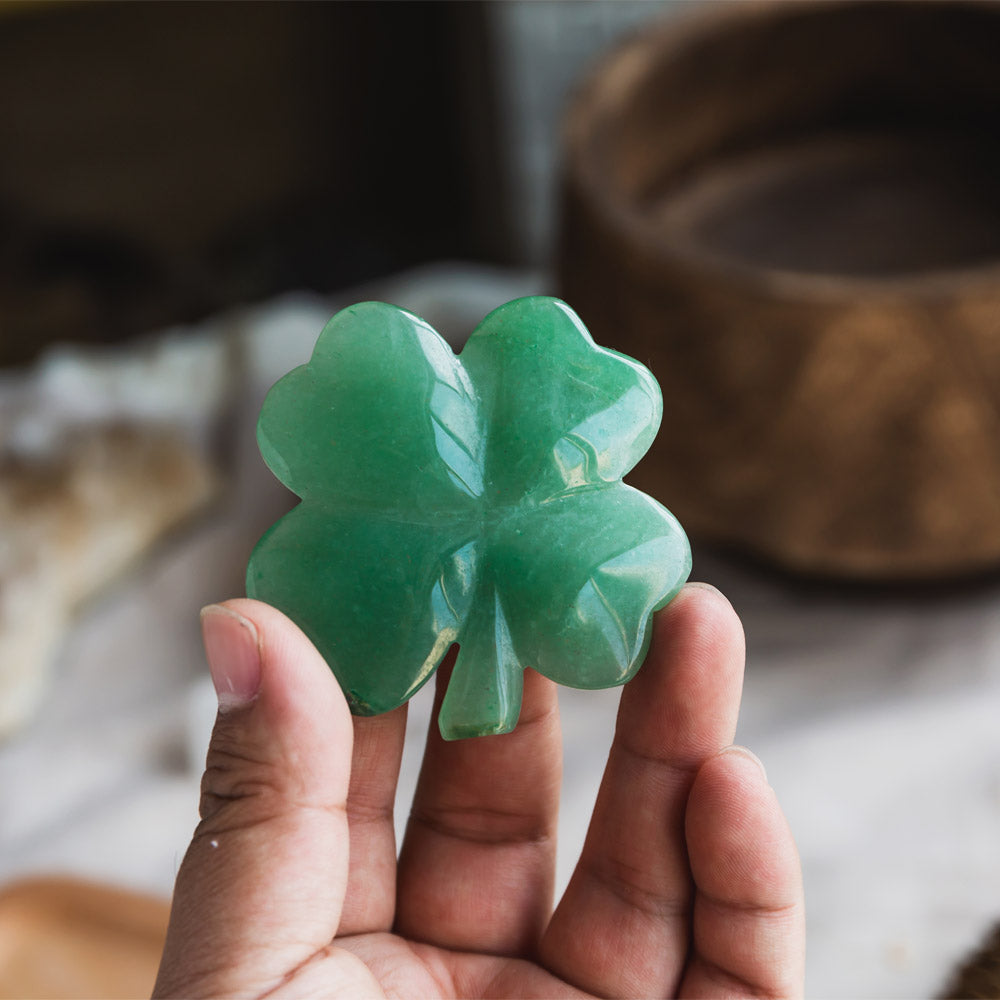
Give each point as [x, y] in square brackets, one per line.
[472, 499]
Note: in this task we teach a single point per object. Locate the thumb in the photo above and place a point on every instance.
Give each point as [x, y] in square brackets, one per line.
[261, 887]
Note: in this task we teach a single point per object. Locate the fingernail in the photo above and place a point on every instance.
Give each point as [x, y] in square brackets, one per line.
[232, 647]
[740, 751]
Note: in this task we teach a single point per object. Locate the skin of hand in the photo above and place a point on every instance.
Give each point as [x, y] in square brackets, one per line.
[688, 883]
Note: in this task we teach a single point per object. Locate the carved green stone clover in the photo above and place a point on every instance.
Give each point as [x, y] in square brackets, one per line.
[472, 499]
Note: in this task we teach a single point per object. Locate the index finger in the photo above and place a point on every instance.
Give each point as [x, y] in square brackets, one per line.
[370, 900]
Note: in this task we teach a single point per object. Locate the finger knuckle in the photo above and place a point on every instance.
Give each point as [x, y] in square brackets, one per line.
[236, 776]
[484, 825]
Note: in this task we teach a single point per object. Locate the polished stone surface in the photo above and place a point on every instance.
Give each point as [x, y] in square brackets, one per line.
[472, 499]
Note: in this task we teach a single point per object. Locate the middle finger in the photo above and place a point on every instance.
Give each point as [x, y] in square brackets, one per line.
[477, 868]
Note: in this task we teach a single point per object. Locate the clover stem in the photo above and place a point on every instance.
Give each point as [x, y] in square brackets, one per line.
[484, 693]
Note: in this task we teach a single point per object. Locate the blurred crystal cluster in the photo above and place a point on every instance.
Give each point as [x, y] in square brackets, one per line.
[101, 454]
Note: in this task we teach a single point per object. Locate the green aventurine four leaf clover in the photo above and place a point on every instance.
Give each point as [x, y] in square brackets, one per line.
[475, 500]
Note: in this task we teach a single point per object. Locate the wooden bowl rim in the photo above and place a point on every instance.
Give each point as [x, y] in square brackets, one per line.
[665, 41]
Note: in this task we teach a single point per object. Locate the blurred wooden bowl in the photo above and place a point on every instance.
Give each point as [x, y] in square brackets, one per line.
[67, 939]
[791, 213]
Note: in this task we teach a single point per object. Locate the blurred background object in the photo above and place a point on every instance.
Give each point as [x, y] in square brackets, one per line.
[164, 160]
[188, 191]
[73, 521]
[69, 938]
[791, 212]
[979, 975]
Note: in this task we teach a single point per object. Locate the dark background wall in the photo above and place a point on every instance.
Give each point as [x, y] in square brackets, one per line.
[160, 160]
[163, 160]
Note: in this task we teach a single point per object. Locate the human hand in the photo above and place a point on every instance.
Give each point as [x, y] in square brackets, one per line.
[688, 883]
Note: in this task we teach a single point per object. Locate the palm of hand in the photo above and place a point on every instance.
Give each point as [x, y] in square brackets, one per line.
[688, 883]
